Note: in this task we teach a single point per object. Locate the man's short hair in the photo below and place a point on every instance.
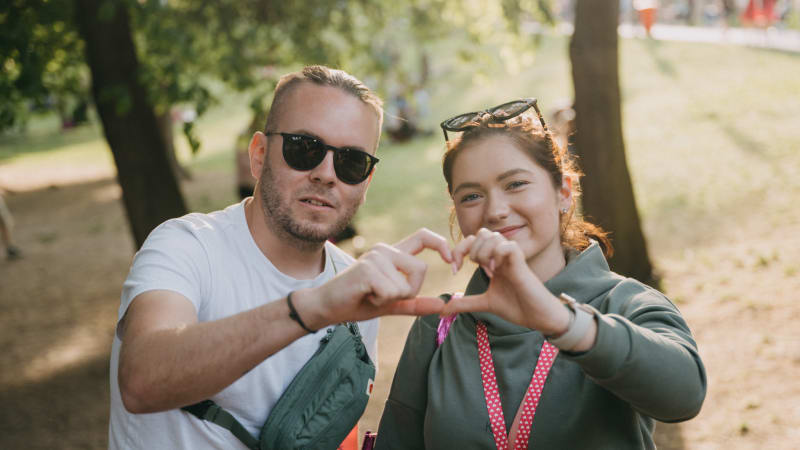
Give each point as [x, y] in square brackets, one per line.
[323, 76]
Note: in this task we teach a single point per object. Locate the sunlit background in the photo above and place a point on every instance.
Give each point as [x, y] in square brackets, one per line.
[710, 99]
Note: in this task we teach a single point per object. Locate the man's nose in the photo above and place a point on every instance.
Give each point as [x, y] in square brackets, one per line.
[324, 172]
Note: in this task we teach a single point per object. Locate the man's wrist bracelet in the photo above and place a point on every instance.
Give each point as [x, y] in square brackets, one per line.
[294, 316]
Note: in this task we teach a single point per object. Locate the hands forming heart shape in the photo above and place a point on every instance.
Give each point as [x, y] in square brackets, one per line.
[386, 280]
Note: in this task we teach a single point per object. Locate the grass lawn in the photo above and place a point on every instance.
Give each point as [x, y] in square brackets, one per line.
[711, 136]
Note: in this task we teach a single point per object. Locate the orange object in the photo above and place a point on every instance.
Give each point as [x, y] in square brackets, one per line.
[648, 17]
[760, 13]
[351, 441]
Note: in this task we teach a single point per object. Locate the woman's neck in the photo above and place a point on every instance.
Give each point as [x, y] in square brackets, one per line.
[549, 262]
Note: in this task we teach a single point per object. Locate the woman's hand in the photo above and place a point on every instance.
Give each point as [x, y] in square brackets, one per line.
[515, 293]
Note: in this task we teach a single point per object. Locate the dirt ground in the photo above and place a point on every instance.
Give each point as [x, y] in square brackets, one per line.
[737, 288]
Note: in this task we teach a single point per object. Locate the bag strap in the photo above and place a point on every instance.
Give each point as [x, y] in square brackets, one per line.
[210, 411]
[353, 326]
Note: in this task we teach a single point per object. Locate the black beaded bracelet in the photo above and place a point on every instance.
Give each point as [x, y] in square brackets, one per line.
[293, 314]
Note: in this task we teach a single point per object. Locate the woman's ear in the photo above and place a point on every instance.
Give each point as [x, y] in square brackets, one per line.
[565, 193]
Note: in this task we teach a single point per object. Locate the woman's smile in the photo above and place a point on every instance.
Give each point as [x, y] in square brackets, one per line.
[509, 231]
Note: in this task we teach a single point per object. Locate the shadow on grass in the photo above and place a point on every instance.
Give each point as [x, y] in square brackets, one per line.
[58, 309]
[742, 140]
[12, 145]
[664, 65]
[67, 410]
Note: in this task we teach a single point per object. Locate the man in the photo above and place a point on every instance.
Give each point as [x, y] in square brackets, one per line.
[204, 311]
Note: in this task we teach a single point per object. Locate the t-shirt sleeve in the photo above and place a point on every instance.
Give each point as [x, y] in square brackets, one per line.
[171, 258]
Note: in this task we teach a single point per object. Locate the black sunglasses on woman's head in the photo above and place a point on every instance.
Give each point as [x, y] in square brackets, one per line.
[499, 113]
[303, 153]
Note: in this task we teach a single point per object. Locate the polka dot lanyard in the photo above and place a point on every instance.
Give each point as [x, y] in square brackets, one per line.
[524, 419]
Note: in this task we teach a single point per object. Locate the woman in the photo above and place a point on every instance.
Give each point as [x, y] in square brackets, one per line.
[605, 366]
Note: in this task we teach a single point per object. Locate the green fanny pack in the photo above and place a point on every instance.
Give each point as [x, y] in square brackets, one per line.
[321, 405]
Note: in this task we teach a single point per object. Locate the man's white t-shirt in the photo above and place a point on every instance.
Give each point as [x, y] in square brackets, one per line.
[212, 260]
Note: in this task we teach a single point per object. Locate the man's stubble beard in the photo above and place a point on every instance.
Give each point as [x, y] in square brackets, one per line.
[278, 216]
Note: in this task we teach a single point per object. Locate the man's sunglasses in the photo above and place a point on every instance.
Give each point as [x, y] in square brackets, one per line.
[500, 113]
[303, 152]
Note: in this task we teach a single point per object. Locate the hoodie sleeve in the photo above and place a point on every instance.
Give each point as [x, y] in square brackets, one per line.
[645, 354]
[402, 422]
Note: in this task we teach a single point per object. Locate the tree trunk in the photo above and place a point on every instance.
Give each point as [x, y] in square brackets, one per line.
[608, 198]
[150, 191]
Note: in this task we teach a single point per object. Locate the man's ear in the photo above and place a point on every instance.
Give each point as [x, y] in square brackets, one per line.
[258, 154]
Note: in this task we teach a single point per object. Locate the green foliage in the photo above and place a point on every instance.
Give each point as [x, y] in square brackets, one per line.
[520, 12]
[41, 57]
[186, 46]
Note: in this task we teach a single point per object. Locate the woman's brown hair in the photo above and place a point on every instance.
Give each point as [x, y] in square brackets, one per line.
[529, 136]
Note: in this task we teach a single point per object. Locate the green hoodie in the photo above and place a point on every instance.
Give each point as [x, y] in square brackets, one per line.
[644, 366]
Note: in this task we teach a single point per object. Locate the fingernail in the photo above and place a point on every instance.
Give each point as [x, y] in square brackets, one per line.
[454, 266]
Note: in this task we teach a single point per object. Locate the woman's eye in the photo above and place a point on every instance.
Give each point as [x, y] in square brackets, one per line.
[516, 185]
[469, 198]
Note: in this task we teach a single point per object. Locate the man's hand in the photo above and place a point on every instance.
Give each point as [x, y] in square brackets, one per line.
[385, 280]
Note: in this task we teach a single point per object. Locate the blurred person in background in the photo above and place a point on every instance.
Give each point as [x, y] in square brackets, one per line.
[647, 10]
[759, 13]
[728, 12]
[7, 231]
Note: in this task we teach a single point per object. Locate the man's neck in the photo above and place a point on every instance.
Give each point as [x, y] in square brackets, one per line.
[293, 257]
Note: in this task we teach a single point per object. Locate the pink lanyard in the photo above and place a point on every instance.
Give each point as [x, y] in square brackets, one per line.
[521, 428]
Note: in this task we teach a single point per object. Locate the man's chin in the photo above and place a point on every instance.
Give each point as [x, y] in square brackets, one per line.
[313, 233]
[316, 228]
